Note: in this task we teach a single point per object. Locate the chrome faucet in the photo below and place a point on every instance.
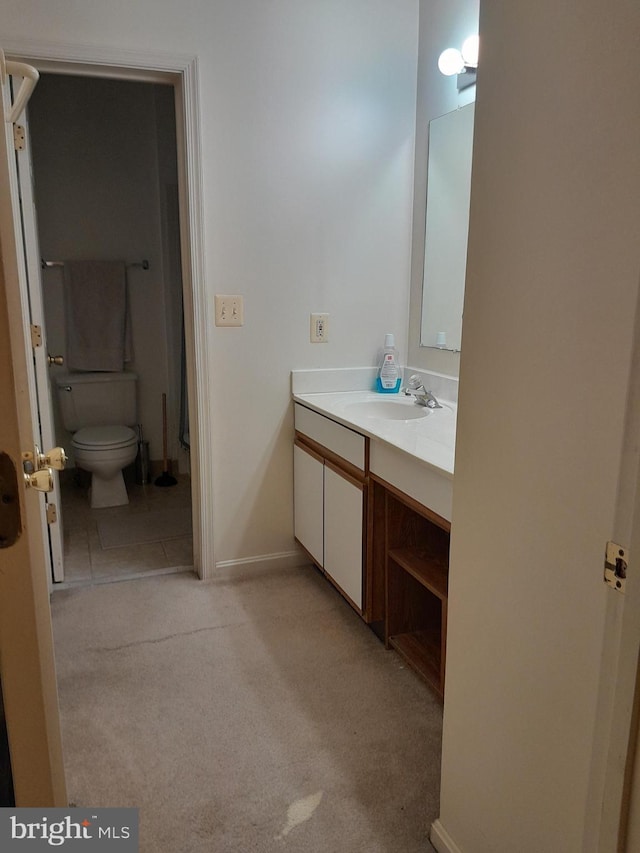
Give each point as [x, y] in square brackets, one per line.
[415, 388]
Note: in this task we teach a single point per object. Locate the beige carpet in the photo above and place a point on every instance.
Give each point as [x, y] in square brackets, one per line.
[140, 527]
[256, 715]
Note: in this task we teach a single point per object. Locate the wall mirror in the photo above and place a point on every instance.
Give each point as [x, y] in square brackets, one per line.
[447, 227]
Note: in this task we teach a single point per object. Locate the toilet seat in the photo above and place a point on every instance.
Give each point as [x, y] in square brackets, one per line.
[104, 438]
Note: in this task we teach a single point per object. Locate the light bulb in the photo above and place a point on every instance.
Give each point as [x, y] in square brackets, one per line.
[451, 62]
[470, 51]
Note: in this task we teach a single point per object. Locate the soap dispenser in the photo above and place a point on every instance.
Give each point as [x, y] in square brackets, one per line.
[389, 374]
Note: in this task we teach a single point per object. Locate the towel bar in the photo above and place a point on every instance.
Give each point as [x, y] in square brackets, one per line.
[144, 264]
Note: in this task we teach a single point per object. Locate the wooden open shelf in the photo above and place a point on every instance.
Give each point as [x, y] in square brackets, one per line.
[421, 651]
[430, 570]
[409, 580]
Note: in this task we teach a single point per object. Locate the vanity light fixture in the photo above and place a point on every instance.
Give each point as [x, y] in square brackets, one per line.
[462, 62]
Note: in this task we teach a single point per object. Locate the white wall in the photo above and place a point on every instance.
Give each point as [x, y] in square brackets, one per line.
[552, 285]
[308, 115]
[443, 23]
[98, 195]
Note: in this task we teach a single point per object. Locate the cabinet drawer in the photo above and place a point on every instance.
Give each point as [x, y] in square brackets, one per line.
[342, 441]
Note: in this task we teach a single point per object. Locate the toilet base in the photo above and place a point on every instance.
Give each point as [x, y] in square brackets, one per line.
[104, 493]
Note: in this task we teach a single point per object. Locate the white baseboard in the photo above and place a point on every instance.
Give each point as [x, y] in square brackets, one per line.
[441, 839]
[251, 566]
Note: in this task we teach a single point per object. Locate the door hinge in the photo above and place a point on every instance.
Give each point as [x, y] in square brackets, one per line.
[52, 514]
[616, 560]
[18, 137]
[36, 336]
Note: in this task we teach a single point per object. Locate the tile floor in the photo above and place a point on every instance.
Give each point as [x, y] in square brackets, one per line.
[86, 562]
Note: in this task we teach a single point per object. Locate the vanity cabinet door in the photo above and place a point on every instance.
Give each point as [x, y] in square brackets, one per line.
[308, 492]
[343, 530]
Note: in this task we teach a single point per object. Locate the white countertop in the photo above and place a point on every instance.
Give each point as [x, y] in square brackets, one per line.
[430, 438]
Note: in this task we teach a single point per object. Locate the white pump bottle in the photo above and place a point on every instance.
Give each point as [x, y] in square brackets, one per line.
[390, 373]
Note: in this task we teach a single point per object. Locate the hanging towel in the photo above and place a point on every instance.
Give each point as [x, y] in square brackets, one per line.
[95, 295]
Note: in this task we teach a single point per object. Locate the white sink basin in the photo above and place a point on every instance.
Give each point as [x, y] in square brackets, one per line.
[387, 410]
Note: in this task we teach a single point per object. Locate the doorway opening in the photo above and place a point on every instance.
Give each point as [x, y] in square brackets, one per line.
[104, 157]
[105, 181]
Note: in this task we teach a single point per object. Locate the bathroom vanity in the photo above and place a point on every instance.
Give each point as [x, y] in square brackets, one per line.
[330, 488]
[373, 481]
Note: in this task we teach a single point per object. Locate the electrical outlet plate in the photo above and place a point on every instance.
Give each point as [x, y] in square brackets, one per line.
[319, 329]
[229, 310]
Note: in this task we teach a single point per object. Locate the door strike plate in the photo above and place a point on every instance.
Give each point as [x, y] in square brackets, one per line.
[616, 559]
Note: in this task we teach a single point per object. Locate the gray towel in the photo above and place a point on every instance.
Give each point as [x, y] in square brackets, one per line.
[95, 295]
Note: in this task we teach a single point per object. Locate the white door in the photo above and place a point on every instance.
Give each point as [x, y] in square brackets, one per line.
[26, 237]
[343, 519]
[308, 497]
[26, 643]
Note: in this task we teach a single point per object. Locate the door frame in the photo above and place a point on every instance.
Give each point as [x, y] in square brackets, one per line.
[182, 72]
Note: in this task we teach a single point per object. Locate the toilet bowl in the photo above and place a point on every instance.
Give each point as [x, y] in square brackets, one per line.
[104, 451]
[92, 406]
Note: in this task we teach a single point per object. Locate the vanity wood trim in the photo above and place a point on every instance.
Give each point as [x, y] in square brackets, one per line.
[307, 449]
[323, 453]
[413, 504]
[338, 468]
[375, 584]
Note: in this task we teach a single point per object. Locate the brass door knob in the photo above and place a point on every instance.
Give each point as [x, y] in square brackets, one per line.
[41, 480]
[55, 359]
[54, 458]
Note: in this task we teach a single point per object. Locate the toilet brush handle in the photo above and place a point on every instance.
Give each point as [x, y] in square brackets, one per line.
[164, 432]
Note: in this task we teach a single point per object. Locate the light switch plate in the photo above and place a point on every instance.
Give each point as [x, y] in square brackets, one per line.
[229, 310]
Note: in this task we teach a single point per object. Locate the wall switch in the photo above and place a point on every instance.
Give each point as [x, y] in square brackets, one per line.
[229, 310]
[319, 328]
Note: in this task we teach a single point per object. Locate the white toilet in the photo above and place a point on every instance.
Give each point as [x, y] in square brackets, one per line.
[98, 409]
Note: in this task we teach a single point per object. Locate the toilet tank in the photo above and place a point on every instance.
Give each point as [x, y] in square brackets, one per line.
[96, 399]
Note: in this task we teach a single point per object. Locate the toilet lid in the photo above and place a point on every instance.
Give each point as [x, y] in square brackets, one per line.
[104, 436]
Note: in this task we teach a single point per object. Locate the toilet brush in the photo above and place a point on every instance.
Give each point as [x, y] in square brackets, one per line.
[165, 479]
